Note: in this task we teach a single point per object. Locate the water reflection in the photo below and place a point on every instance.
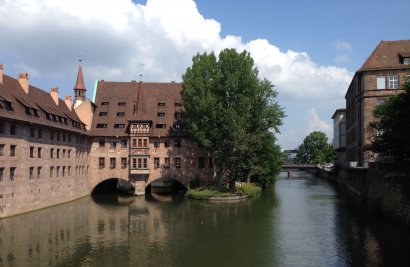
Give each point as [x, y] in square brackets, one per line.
[301, 221]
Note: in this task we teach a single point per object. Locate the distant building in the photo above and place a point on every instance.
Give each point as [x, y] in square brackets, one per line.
[339, 135]
[381, 75]
[291, 155]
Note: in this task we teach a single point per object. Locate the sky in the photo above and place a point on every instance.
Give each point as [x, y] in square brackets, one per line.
[309, 50]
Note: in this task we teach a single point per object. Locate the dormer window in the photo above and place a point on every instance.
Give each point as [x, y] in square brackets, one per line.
[104, 103]
[121, 104]
[9, 106]
[406, 61]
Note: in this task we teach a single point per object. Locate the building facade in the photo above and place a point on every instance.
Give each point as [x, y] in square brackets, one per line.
[53, 150]
[44, 148]
[382, 74]
[339, 135]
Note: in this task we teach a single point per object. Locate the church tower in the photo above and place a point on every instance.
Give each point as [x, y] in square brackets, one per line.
[79, 88]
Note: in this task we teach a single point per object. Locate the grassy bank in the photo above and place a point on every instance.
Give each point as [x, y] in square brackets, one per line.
[250, 190]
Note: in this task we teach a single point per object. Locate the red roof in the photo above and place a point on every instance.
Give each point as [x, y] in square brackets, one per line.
[79, 84]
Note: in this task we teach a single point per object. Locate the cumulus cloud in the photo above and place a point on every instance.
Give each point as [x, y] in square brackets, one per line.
[314, 123]
[118, 40]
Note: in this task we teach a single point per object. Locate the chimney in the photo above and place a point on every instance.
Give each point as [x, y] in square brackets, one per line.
[68, 102]
[23, 80]
[54, 94]
[1, 73]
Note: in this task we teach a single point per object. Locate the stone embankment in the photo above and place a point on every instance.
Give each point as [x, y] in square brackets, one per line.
[385, 188]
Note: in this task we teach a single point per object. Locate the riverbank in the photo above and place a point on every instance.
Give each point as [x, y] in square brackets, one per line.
[384, 189]
[243, 191]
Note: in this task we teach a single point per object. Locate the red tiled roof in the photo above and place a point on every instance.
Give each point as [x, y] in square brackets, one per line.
[141, 104]
[11, 91]
[388, 55]
[79, 84]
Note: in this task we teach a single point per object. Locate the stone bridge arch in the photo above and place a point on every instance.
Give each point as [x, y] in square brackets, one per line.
[141, 185]
[113, 185]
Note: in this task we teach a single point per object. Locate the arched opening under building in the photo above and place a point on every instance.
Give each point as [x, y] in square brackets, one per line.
[114, 186]
[165, 190]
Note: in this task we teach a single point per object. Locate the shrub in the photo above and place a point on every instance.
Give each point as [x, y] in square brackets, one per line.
[249, 189]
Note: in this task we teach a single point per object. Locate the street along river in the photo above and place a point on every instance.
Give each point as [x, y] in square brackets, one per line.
[301, 221]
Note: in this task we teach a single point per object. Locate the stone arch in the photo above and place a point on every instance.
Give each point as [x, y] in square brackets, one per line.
[175, 182]
[113, 185]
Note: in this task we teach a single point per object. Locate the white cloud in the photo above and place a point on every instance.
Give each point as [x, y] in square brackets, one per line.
[115, 37]
[314, 123]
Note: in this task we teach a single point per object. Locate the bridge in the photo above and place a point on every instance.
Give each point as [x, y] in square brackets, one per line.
[298, 166]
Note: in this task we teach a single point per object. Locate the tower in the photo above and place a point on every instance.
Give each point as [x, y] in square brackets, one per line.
[79, 88]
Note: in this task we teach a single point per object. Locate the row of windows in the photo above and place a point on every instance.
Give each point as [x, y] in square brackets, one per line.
[38, 133]
[164, 126]
[122, 104]
[391, 81]
[137, 142]
[106, 103]
[12, 150]
[38, 152]
[142, 162]
[122, 125]
[37, 172]
[105, 114]
[113, 142]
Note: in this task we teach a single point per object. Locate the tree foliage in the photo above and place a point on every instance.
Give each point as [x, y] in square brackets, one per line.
[315, 149]
[230, 112]
[390, 131]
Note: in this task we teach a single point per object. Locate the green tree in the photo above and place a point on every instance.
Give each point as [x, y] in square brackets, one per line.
[229, 111]
[391, 129]
[315, 149]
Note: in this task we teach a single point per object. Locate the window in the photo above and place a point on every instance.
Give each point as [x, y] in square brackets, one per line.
[167, 162]
[123, 163]
[101, 163]
[145, 142]
[161, 104]
[134, 142]
[178, 162]
[161, 114]
[113, 143]
[210, 162]
[156, 163]
[123, 142]
[144, 163]
[103, 114]
[69, 171]
[381, 82]
[51, 172]
[9, 107]
[393, 82]
[178, 115]
[32, 152]
[68, 153]
[112, 163]
[381, 100]
[157, 142]
[31, 173]
[12, 150]
[63, 153]
[119, 126]
[120, 114]
[139, 163]
[161, 126]
[406, 61]
[12, 174]
[104, 103]
[177, 126]
[1, 174]
[2, 128]
[58, 153]
[63, 172]
[31, 132]
[134, 163]
[51, 135]
[101, 125]
[2, 150]
[13, 129]
[39, 133]
[178, 104]
[166, 143]
[177, 142]
[58, 171]
[38, 172]
[101, 141]
[39, 150]
[201, 162]
[139, 142]
[51, 153]
[121, 104]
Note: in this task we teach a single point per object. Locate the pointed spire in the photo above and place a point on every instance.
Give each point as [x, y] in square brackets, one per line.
[79, 85]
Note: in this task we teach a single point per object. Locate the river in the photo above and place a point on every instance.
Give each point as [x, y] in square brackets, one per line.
[301, 221]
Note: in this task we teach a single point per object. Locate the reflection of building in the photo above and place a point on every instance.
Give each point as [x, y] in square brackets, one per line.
[339, 135]
[53, 150]
[381, 75]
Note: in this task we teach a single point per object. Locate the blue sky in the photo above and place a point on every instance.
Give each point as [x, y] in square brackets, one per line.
[308, 49]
